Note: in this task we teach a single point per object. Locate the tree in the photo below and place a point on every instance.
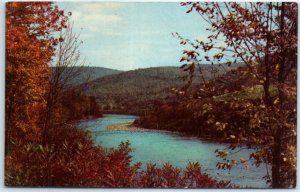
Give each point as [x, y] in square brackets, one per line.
[66, 67]
[264, 37]
[30, 46]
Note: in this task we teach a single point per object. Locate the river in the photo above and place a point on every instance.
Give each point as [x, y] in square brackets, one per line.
[160, 147]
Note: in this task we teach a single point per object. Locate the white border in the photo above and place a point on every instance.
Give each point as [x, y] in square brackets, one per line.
[2, 107]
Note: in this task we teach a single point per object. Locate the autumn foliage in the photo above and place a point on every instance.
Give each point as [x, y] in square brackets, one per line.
[253, 106]
[29, 48]
[263, 36]
[65, 156]
[70, 159]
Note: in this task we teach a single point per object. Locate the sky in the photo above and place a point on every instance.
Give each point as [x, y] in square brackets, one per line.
[127, 36]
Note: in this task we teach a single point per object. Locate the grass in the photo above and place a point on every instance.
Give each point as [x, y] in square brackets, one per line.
[254, 92]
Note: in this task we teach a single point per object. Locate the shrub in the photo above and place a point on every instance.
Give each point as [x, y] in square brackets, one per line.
[70, 159]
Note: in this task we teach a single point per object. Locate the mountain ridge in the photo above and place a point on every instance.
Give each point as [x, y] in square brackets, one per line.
[136, 91]
[82, 74]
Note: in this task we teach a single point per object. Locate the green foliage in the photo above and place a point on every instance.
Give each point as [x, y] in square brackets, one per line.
[254, 92]
[136, 91]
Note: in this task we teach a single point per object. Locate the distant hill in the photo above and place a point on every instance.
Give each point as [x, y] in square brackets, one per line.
[86, 73]
[136, 91]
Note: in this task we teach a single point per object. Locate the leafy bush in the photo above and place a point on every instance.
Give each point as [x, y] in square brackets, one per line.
[69, 159]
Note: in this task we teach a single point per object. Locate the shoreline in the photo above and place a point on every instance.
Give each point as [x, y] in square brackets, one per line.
[132, 128]
[125, 127]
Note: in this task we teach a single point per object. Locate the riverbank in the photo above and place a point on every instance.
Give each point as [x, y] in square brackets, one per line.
[125, 127]
[161, 146]
[131, 127]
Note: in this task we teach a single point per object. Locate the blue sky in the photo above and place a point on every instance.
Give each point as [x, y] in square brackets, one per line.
[128, 36]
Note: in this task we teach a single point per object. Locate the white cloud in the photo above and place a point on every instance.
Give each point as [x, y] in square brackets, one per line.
[96, 7]
[96, 17]
[103, 18]
[84, 17]
[116, 35]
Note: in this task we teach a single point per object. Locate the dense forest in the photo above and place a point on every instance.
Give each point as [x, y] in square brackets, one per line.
[241, 91]
[137, 91]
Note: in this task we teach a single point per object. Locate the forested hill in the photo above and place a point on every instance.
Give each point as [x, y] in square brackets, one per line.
[138, 90]
[79, 75]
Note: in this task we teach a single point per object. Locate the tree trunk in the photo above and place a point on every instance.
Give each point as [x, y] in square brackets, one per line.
[266, 84]
[267, 95]
[8, 125]
[276, 160]
[281, 78]
[276, 165]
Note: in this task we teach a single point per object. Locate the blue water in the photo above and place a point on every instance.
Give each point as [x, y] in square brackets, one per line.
[161, 147]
